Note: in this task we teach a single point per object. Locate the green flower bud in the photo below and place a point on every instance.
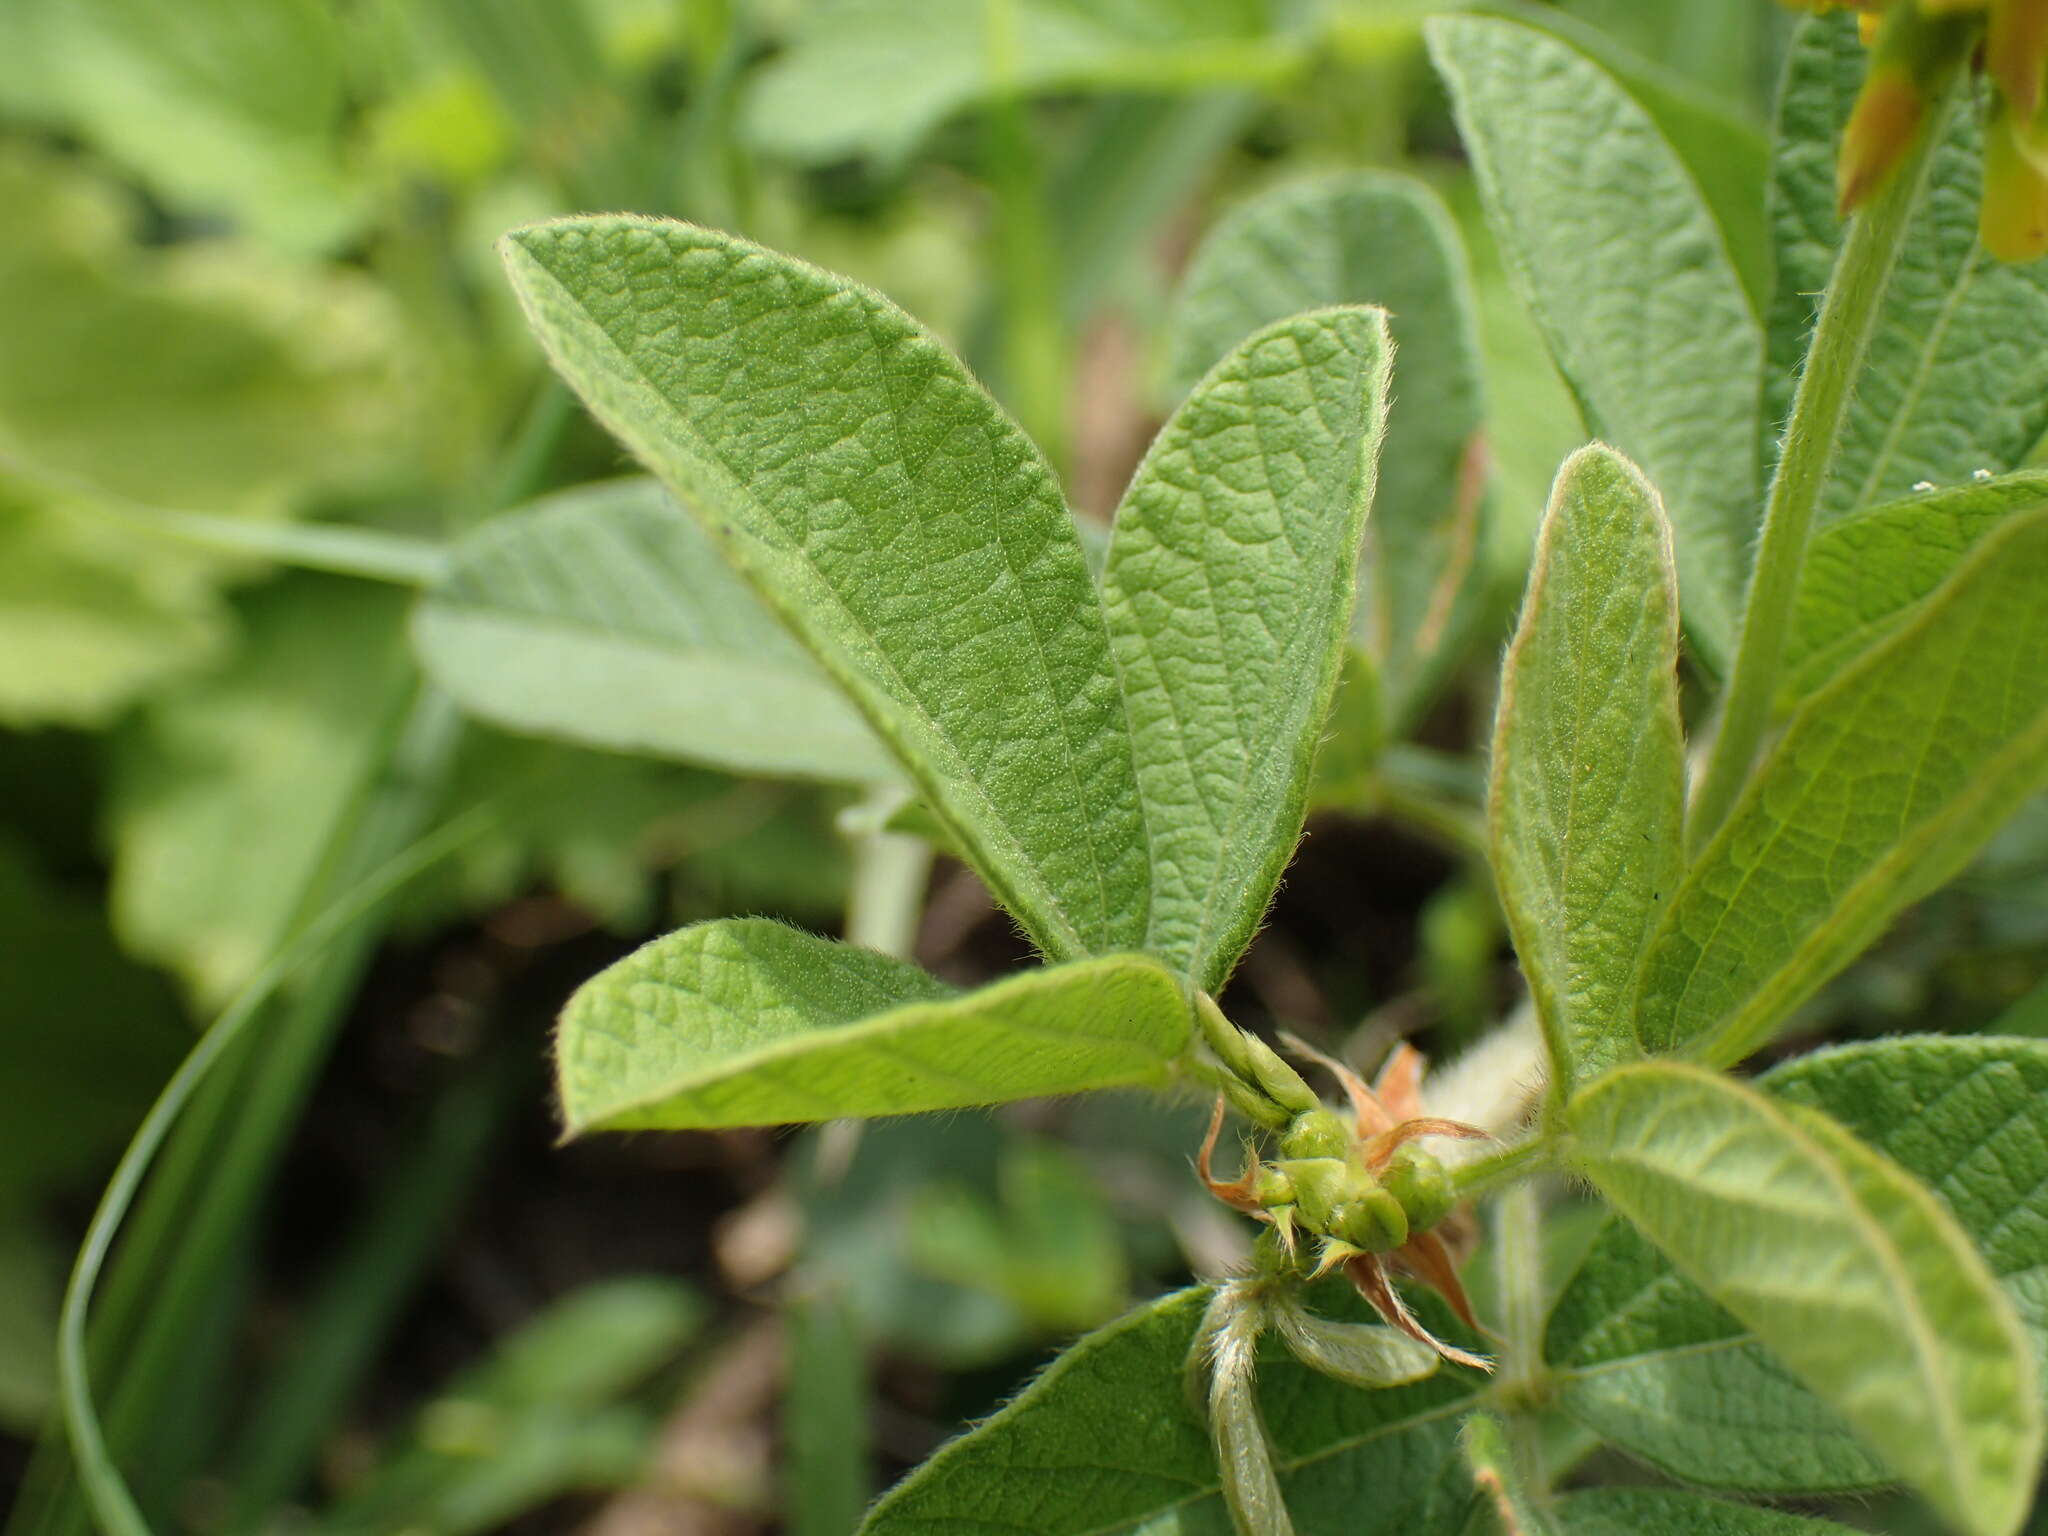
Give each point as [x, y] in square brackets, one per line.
[1422, 1186]
[1319, 1133]
[1335, 1197]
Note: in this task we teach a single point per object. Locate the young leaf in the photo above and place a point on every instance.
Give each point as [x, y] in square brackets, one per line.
[1863, 574]
[605, 616]
[1228, 590]
[1883, 785]
[1622, 262]
[1069, 1456]
[1642, 1511]
[746, 1022]
[1587, 803]
[1956, 380]
[1848, 1269]
[1642, 1357]
[894, 518]
[1369, 238]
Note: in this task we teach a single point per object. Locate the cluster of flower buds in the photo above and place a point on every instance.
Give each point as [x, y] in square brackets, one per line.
[1353, 1191]
[1916, 46]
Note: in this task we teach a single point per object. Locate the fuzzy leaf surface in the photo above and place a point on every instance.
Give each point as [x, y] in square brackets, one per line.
[1847, 1268]
[1957, 379]
[747, 1022]
[1883, 785]
[1619, 257]
[1864, 573]
[1366, 237]
[1651, 1363]
[897, 521]
[605, 616]
[1229, 585]
[1638, 1511]
[1070, 1457]
[1587, 805]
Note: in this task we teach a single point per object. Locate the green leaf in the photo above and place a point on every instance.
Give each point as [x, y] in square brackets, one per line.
[1228, 589]
[747, 1022]
[1369, 238]
[1863, 574]
[1620, 258]
[1587, 805]
[269, 753]
[1847, 1268]
[1071, 1456]
[894, 518]
[605, 616]
[1664, 1512]
[1956, 380]
[817, 101]
[1048, 1244]
[1648, 1361]
[221, 105]
[537, 1419]
[1882, 787]
[91, 615]
[195, 376]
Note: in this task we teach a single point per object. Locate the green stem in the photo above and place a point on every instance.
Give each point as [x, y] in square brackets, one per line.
[1518, 1261]
[1834, 359]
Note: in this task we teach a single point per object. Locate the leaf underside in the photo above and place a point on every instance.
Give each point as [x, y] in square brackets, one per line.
[1586, 807]
[748, 1022]
[1883, 785]
[1843, 1265]
[604, 616]
[1649, 1362]
[1619, 257]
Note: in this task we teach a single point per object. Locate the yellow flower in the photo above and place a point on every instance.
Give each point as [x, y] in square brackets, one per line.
[1914, 44]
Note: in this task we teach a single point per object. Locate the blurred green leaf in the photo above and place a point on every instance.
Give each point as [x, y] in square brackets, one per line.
[747, 1022]
[31, 1266]
[1845, 1267]
[1369, 238]
[199, 376]
[228, 106]
[93, 615]
[1883, 785]
[224, 792]
[1955, 381]
[824, 97]
[535, 1420]
[605, 616]
[1587, 805]
[1623, 263]
[1656, 1367]
[1048, 1244]
[1073, 1454]
[898, 522]
[1228, 591]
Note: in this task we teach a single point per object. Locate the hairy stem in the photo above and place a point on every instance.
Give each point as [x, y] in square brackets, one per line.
[1518, 1268]
[1841, 340]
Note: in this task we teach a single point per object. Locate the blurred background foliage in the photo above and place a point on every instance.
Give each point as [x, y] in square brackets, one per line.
[260, 383]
